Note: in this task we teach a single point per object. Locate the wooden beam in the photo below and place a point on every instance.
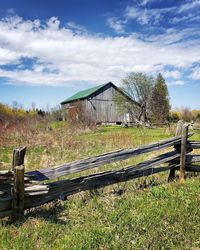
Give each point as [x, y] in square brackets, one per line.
[177, 147]
[183, 151]
[18, 157]
[18, 192]
[6, 213]
[5, 203]
[18, 185]
[92, 162]
[193, 158]
[194, 144]
[193, 168]
[67, 187]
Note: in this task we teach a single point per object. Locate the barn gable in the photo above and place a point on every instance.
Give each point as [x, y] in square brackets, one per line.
[96, 104]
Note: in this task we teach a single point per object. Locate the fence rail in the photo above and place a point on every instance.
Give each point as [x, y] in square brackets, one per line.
[92, 162]
[20, 191]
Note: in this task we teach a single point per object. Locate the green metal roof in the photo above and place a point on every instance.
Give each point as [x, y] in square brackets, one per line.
[83, 94]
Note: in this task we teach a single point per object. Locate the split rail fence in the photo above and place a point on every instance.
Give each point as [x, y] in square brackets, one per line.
[20, 190]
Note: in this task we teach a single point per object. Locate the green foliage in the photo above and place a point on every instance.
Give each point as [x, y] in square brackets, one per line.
[160, 101]
[174, 116]
[11, 115]
[150, 98]
[196, 114]
[138, 87]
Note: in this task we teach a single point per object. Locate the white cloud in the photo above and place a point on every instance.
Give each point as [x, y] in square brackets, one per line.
[172, 74]
[196, 73]
[117, 25]
[144, 2]
[187, 18]
[188, 6]
[142, 16]
[79, 29]
[145, 15]
[172, 36]
[177, 82]
[62, 56]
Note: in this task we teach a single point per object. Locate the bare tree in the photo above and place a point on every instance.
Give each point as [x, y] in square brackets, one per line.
[138, 87]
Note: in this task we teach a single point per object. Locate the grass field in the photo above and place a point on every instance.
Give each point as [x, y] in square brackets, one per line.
[139, 214]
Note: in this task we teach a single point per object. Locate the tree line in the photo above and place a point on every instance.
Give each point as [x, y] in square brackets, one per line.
[149, 98]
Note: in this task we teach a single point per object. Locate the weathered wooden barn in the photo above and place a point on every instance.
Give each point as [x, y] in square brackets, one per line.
[96, 104]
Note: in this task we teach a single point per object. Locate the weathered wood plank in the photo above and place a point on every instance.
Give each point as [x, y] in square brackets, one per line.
[18, 191]
[18, 182]
[194, 144]
[67, 187]
[6, 213]
[92, 162]
[18, 157]
[36, 190]
[5, 203]
[193, 168]
[193, 158]
[183, 151]
[177, 147]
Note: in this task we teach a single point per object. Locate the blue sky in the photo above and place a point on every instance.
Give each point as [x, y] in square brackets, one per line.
[51, 49]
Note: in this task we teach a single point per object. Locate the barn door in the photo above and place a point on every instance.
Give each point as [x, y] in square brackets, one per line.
[73, 113]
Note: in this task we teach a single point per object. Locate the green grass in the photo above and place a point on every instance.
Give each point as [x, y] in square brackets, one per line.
[139, 214]
[45, 148]
[162, 217]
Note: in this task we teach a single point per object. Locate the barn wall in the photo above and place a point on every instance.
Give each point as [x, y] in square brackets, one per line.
[100, 107]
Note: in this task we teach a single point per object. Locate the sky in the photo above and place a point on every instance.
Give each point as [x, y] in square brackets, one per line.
[50, 49]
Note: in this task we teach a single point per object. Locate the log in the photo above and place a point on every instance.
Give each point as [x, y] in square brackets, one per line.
[6, 213]
[36, 190]
[193, 168]
[6, 173]
[5, 203]
[18, 182]
[183, 151]
[194, 144]
[193, 158]
[5, 189]
[92, 162]
[18, 192]
[18, 157]
[67, 187]
[179, 128]
[177, 147]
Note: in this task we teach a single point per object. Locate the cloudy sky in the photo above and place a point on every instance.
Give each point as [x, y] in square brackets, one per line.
[51, 49]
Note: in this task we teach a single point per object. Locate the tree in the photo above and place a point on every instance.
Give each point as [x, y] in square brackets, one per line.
[160, 100]
[186, 114]
[137, 86]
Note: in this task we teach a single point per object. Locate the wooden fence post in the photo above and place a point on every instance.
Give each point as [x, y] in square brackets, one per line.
[179, 129]
[183, 151]
[18, 183]
[18, 157]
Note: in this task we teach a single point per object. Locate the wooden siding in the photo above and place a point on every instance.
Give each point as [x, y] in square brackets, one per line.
[100, 106]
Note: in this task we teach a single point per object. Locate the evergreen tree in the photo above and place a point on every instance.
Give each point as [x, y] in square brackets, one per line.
[160, 100]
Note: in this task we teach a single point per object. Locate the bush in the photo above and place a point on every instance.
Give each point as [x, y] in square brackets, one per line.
[186, 114]
[174, 116]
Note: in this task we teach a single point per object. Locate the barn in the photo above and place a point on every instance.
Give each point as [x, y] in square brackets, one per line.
[96, 104]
